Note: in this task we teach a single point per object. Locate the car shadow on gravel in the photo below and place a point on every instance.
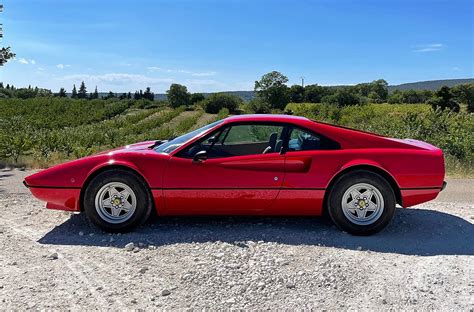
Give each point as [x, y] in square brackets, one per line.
[413, 232]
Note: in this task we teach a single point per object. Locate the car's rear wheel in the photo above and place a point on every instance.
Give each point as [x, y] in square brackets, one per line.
[361, 202]
[117, 201]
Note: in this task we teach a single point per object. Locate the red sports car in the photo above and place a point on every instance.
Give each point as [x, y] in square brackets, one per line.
[250, 165]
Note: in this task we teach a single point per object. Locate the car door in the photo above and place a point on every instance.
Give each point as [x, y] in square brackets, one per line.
[308, 159]
[242, 174]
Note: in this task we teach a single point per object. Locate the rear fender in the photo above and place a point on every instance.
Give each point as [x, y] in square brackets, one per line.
[365, 164]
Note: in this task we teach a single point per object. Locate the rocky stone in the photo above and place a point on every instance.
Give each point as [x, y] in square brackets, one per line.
[129, 247]
[52, 256]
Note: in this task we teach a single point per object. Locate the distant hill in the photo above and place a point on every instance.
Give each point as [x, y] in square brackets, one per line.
[430, 85]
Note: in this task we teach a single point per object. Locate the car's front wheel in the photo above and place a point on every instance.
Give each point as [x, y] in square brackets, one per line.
[117, 201]
[361, 202]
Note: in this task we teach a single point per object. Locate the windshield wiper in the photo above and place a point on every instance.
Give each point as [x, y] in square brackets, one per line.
[158, 143]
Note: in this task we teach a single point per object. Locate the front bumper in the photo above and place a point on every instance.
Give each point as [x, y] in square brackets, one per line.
[59, 198]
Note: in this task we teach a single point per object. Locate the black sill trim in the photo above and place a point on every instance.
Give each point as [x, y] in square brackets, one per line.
[420, 188]
[54, 187]
[241, 188]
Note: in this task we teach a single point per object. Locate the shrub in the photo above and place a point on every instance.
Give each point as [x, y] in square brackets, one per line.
[214, 103]
[343, 97]
[259, 106]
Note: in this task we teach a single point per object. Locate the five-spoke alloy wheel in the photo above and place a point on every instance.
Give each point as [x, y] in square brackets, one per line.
[361, 202]
[117, 200]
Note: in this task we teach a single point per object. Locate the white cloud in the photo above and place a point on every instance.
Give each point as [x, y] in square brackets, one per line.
[182, 71]
[23, 61]
[62, 66]
[432, 47]
[117, 79]
[204, 74]
[33, 62]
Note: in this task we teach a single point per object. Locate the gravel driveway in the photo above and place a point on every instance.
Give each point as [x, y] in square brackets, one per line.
[55, 260]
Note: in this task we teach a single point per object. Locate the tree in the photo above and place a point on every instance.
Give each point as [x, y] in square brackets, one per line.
[378, 91]
[464, 93]
[195, 98]
[148, 94]
[178, 95]
[62, 93]
[82, 94]
[259, 106]
[443, 99]
[95, 94]
[110, 95]
[74, 92]
[314, 93]
[342, 97]
[296, 94]
[272, 89]
[5, 55]
[217, 101]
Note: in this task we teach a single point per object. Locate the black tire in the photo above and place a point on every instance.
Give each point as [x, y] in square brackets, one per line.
[144, 201]
[343, 184]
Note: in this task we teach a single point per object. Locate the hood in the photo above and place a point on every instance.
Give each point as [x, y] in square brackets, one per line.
[131, 147]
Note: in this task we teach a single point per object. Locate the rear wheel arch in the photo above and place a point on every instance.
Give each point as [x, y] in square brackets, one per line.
[111, 168]
[384, 174]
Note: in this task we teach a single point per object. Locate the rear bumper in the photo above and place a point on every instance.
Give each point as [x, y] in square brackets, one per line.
[411, 197]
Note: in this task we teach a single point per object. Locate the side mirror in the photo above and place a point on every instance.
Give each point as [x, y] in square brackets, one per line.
[200, 157]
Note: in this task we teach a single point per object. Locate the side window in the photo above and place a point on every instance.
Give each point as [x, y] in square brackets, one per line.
[249, 140]
[240, 140]
[303, 140]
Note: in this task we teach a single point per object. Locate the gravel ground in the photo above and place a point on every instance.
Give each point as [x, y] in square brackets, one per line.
[55, 260]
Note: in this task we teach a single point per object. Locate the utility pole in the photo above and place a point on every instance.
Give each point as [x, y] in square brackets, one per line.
[1, 25]
[302, 81]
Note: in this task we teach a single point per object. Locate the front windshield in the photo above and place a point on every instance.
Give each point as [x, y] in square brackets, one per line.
[170, 146]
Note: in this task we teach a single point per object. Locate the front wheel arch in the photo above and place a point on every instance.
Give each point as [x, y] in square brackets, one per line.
[384, 174]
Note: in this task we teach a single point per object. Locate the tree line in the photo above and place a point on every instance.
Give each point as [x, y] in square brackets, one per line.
[273, 93]
[10, 91]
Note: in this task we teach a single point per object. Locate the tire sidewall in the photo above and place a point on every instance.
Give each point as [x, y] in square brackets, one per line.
[343, 184]
[142, 210]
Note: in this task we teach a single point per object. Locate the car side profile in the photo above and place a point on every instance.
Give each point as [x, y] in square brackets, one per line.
[273, 165]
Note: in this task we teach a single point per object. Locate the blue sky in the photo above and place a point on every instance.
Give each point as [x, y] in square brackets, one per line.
[227, 45]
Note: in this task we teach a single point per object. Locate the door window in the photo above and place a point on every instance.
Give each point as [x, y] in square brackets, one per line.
[240, 140]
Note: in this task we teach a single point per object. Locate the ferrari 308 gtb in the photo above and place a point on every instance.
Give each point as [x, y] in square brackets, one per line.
[269, 165]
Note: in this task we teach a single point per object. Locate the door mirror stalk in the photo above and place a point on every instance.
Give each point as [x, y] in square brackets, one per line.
[200, 157]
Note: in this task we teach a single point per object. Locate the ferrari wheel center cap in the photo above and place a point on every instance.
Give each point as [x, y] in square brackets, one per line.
[361, 204]
[116, 201]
